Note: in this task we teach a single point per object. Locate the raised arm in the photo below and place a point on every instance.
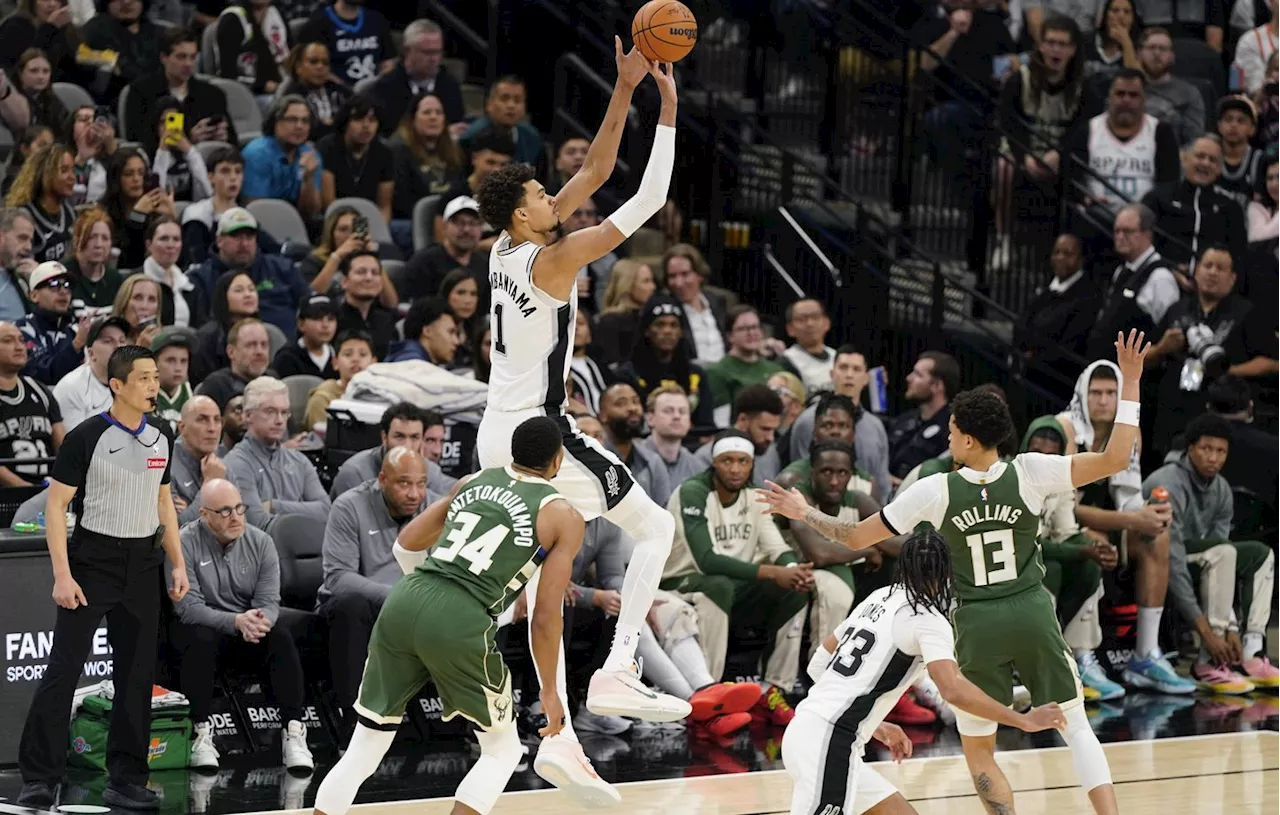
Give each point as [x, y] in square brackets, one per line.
[556, 267]
[603, 153]
[1088, 467]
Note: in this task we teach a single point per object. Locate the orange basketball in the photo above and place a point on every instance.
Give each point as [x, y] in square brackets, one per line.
[664, 30]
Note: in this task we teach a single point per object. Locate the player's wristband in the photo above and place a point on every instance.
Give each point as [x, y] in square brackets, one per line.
[1127, 413]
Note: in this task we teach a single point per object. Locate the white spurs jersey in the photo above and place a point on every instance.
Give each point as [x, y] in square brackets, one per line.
[882, 649]
[1129, 166]
[532, 334]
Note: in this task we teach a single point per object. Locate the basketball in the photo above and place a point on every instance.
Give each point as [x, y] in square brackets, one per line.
[664, 30]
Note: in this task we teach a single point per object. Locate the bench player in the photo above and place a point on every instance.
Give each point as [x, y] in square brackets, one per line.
[861, 671]
[534, 306]
[466, 558]
[989, 513]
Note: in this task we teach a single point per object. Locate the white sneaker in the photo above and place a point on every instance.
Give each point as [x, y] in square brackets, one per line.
[293, 746]
[927, 694]
[204, 755]
[588, 722]
[561, 763]
[621, 693]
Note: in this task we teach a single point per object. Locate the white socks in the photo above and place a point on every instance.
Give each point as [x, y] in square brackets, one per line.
[1253, 645]
[1149, 631]
[688, 657]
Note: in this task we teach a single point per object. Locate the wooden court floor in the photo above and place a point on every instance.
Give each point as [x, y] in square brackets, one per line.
[1233, 774]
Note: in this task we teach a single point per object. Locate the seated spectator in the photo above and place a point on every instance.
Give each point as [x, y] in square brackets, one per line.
[787, 386]
[570, 156]
[337, 240]
[667, 416]
[833, 421]
[203, 105]
[504, 114]
[359, 568]
[684, 272]
[630, 287]
[1206, 22]
[33, 78]
[757, 411]
[431, 334]
[481, 351]
[94, 276]
[54, 338]
[489, 151]
[173, 348]
[84, 392]
[1268, 101]
[1200, 534]
[458, 246]
[93, 138]
[15, 114]
[273, 479]
[252, 43]
[358, 38]
[16, 263]
[593, 278]
[231, 612]
[121, 27]
[1171, 99]
[849, 377]
[47, 26]
[1254, 457]
[282, 287]
[1253, 51]
[233, 427]
[589, 376]
[356, 163]
[235, 298]
[311, 355]
[181, 303]
[660, 356]
[362, 283]
[424, 155]
[248, 349]
[810, 356]
[31, 139]
[130, 204]
[622, 423]
[1241, 161]
[921, 433]
[1118, 156]
[353, 353]
[743, 363]
[1060, 314]
[30, 418]
[418, 73]
[195, 455]
[402, 425]
[1203, 336]
[44, 189]
[281, 163]
[199, 220]
[307, 75]
[461, 292]
[1193, 213]
[1264, 210]
[178, 165]
[138, 302]
[730, 562]
[1141, 289]
[1085, 15]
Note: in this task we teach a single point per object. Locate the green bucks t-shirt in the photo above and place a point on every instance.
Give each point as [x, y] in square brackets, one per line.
[489, 545]
[990, 520]
[861, 481]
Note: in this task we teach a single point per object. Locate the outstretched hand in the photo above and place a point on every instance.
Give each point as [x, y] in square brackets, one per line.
[664, 73]
[778, 501]
[1131, 353]
[632, 65]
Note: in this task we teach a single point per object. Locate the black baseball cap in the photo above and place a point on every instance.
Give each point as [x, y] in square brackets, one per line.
[1241, 103]
[317, 305]
[176, 335]
[102, 322]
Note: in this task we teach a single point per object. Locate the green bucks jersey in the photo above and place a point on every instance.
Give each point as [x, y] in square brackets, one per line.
[489, 545]
[989, 519]
[861, 481]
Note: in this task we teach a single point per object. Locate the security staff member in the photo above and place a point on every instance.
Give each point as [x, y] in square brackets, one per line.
[113, 472]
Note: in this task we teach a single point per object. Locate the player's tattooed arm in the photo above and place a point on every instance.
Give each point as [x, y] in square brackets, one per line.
[829, 526]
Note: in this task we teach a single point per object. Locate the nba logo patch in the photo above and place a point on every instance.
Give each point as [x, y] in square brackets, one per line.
[984, 495]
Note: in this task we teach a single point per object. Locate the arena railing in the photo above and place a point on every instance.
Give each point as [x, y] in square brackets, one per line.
[462, 33]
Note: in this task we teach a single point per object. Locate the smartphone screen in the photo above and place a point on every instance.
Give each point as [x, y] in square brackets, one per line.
[360, 225]
[153, 182]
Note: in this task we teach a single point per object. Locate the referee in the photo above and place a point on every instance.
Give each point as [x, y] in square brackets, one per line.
[113, 472]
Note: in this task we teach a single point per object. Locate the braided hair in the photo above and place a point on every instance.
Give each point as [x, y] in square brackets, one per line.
[924, 571]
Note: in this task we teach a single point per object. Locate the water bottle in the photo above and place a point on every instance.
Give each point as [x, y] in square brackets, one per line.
[40, 519]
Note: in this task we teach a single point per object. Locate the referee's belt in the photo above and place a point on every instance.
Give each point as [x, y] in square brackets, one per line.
[83, 534]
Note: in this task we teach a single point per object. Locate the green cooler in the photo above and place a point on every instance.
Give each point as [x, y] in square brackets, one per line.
[170, 747]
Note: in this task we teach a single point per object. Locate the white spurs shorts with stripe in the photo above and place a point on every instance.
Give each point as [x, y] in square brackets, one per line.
[827, 770]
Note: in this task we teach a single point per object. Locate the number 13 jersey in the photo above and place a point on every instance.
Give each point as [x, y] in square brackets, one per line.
[532, 334]
[990, 521]
[882, 649]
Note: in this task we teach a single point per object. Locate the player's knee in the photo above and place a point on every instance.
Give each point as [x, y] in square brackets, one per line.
[719, 590]
[1086, 752]
[502, 743]
[832, 593]
[1090, 576]
[1253, 556]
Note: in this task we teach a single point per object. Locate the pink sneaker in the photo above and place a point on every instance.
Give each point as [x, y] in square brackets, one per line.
[1261, 672]
[621, 693]
[1220, 679]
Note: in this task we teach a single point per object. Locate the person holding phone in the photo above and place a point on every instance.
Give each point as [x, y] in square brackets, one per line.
[138, 302]
[133, 194]
[203, 105]
[93, 138]
[178, 165]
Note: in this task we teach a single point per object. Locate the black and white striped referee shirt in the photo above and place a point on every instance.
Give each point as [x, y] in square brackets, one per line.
[117, 472]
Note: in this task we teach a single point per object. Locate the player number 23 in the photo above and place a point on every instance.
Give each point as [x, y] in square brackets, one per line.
[478, 552]
[1003, 560]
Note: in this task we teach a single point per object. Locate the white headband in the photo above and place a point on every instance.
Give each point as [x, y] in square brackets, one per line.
[733, 444]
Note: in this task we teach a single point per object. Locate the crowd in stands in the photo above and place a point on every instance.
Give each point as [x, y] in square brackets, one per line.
[163, 228]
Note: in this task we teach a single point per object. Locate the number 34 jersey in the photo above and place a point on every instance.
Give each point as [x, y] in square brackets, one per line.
[489, 544]
[882, 649]
[990, 520]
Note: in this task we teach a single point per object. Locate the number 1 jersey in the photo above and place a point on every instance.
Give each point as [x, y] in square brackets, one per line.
[990, 520]
[489, 545]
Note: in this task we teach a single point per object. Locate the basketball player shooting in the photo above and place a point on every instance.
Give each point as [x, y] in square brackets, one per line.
[534, 305]
[989, 511]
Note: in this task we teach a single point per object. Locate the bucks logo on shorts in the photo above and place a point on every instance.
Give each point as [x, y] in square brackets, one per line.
[489, 546]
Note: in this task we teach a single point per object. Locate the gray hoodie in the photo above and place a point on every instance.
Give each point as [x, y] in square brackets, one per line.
[277, 474]
[1202, 510]
[228, 580]
[357, 545]
[870, 442]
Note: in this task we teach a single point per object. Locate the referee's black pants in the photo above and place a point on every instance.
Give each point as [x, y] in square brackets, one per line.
[203, 648]
[121, 579]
